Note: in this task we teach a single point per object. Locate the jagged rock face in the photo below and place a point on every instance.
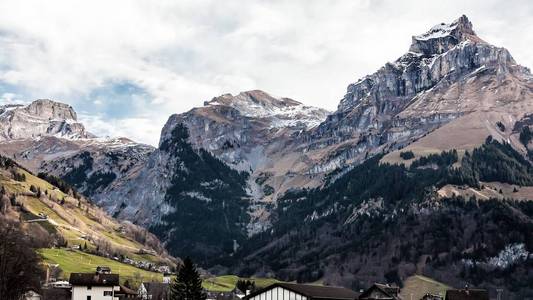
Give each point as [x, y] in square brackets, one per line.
[403, 100]
[250, 132]
[40, 118]
[238, 128]
[443, 37]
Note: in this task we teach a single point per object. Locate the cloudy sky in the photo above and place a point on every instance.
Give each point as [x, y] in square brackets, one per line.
[127, 65]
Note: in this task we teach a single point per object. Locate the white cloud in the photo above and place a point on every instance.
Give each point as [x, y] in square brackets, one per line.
[11, 98]
[182, 53]
[144, 129]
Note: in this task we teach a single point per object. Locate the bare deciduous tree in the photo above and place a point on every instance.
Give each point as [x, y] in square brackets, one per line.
[19, 264]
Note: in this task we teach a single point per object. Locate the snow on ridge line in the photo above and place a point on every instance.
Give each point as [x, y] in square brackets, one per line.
[284, 116]
[437, 31]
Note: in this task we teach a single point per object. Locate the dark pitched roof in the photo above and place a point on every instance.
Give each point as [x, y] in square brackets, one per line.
[312, 291]
[157, 287]
[56, 294]
[388, 291]
[126, 291]
[467, 294]
[92, 279]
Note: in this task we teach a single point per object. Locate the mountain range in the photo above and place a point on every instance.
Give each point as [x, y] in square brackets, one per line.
[425, 167]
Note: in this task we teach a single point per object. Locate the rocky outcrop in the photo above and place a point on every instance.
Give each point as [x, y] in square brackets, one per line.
[38, 119]
[45, 136]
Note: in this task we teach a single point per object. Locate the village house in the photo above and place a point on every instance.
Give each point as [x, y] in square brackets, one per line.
[101, 285]
[382, 292]
[292, 291]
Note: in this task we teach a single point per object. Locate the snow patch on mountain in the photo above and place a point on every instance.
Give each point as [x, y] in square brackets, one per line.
[283, 112]
[438, 31]
[511, 255]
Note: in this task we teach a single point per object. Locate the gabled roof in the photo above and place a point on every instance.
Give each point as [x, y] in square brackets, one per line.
[388, 291]
[92, 279]
[126, 291]
[56, 294]
[467, 294]
[312, 291]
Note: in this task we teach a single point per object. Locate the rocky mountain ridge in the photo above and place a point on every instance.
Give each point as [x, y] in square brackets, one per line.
[40, 118]
[46, 136]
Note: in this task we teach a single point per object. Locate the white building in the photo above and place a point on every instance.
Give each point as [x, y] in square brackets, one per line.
[94, 286]
[292, 291]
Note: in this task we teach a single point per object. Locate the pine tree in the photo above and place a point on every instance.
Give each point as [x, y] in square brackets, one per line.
[187, 285]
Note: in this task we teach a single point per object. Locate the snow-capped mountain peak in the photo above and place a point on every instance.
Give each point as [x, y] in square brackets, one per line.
[255, 103]
[283, 112]
[444, 36]
[459, 28]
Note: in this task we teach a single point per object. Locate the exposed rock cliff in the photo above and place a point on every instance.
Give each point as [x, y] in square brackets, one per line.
[40, 118]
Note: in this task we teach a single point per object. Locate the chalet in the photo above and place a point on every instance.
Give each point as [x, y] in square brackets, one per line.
[94, 286]
[153, 291]
[293, 291]
[381, 292]
[467, 294]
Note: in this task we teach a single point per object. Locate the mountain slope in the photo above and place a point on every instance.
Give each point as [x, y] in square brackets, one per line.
[45, 136]
[375, 221]
[383, 222]
[54, 214]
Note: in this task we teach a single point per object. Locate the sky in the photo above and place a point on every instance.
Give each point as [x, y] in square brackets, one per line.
[127, 65]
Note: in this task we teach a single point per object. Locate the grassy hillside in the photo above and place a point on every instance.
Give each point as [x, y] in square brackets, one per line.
[417, 286]
[77, 261]
[227, 283]
[58, 216]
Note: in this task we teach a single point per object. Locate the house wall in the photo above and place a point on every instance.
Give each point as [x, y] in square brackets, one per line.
[279, 293]
[96, 292]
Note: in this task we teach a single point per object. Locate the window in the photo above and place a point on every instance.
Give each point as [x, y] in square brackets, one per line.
[108, 293]
[89, 288]
[88, 297]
